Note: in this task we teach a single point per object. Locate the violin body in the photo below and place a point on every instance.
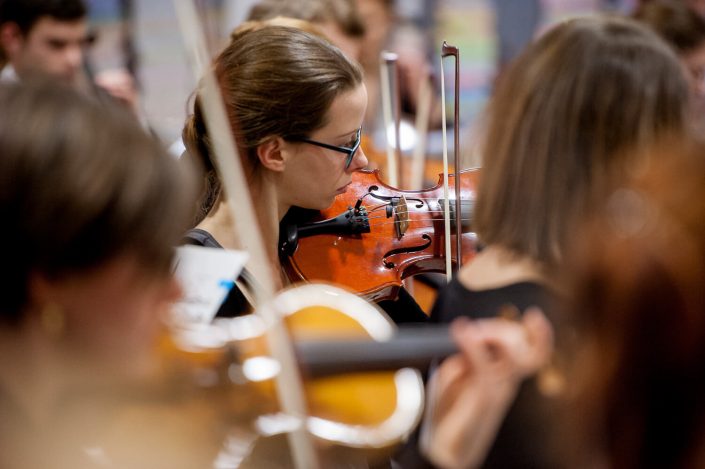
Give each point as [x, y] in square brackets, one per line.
[372, 406]
[405, 236]
[209, 381]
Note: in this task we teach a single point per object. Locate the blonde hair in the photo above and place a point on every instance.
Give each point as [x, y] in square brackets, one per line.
[254, 25]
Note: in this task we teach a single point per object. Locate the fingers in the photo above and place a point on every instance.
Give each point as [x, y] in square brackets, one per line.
[469, 394]
[514, 348]
[471, 391]
[539, 335]
[120, 85]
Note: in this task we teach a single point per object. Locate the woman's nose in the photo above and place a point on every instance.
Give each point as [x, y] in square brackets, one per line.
[359, 161]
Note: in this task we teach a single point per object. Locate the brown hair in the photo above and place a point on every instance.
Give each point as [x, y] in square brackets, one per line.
[342, 12]
[675, 22]
[639, 271]
[277, 81]
[253, 25]
[562, 118]
[80, 184]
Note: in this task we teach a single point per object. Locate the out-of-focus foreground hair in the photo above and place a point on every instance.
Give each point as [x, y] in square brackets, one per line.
[639, 272]
[80, 185]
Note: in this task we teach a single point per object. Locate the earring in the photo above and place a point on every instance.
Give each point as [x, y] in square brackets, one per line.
[53, 319]
[551, 382]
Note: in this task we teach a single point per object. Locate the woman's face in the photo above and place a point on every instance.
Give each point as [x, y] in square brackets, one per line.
[313, 175]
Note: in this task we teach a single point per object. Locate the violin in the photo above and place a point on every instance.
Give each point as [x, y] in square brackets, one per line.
[361, 395]
[374, 236]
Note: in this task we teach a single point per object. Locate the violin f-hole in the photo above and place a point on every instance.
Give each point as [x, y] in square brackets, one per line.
[404, 250]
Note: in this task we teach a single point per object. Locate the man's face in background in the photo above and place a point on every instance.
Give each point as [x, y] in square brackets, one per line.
[51, 47]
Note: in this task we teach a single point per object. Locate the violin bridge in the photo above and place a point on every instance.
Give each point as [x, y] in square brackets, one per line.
[401, 216]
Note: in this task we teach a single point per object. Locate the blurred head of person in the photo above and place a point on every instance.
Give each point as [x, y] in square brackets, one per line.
[45, 37]
[337, 20]
[559, 123]
[92, 208]
[684, 30]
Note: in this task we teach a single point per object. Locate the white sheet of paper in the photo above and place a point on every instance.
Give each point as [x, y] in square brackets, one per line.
[206, 276]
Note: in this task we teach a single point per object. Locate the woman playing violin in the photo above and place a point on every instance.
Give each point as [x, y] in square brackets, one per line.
[561, 124]
[296, 106]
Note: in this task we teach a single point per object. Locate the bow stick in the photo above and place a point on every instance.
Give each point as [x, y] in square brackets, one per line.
[391, 109]
[447, 51]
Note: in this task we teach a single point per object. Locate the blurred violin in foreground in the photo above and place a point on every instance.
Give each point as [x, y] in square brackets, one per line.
[212, 381]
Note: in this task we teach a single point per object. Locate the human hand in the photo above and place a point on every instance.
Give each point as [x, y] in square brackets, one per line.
[120, 85]
[470, 393]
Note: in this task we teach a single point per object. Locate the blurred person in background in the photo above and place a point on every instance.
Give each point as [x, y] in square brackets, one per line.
[49, 38]
[548, 152]
[684, 30]
[338, 20]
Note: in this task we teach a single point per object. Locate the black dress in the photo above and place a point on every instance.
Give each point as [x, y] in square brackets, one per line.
[523, 440]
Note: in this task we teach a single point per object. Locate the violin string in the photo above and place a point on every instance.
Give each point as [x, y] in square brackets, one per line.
[377, 207]
[384, 236]
[376, 217]
[414, 223]
[403, 213]
[408, 210]
[412, 199]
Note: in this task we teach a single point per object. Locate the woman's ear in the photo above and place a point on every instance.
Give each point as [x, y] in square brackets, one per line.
[272, 154]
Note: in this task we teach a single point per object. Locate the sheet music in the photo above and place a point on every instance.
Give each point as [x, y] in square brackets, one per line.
[206, 276]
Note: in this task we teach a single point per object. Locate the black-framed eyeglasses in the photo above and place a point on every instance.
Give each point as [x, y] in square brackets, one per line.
[350, 151]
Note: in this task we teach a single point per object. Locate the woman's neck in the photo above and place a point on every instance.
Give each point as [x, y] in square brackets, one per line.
[269, 210]
[496, 267]
[31, 372]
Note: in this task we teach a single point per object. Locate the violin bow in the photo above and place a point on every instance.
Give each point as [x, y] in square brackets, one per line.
[288, 382]
[447, 51]
[423, 112]
[391, 109]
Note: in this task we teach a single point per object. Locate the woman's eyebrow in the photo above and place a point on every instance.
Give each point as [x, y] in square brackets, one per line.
[346, 134]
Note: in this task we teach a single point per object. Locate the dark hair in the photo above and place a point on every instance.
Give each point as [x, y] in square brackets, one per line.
[675, 22]
[25, 13]
[276, 81]
[342, 12]
[638, 271]
[80, 184]
[564, 117]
